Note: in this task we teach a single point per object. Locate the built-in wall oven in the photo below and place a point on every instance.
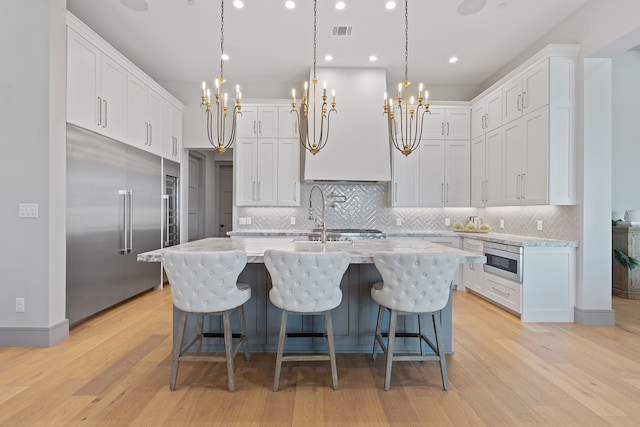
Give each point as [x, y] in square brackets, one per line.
[504, 260]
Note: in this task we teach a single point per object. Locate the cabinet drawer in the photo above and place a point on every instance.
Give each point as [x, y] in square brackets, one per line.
[473, 245]
[504, 292]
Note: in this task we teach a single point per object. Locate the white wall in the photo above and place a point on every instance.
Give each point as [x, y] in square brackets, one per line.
[33, 138]
[626, 133]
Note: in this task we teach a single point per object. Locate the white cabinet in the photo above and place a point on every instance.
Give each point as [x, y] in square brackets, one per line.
[486, 114]
[96, 88]
[506, 293]
[267, 165]
[287, 123]
[447, 123]
[526, 92]
[405, 187]
[172, 120]
[145, 125]
[487, 175]
[473, 274]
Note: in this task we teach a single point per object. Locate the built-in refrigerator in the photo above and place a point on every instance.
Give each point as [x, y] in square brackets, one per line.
[114, 202]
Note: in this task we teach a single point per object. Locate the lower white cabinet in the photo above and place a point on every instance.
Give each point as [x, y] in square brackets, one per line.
[506, 293]
[473, 274]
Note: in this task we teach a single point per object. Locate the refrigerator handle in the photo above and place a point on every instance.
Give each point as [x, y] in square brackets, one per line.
[123, 193]
[130, 248]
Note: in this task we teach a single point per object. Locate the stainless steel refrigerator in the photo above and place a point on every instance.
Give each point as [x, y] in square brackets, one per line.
[114, 202]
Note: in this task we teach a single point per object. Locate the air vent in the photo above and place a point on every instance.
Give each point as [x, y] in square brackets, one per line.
[341, 30]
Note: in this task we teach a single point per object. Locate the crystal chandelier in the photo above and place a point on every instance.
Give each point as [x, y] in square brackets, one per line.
[307, 130]
[405, 119]
[218, 141]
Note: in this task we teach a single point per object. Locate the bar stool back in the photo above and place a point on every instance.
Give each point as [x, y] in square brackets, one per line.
[205, 284]
[306, 283]
[413, 283]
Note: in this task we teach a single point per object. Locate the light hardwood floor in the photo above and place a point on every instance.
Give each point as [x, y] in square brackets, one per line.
[114, 370]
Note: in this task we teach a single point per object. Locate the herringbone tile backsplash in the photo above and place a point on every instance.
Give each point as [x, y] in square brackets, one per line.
[368, 206]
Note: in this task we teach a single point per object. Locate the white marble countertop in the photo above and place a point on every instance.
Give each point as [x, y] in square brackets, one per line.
[361, 251]
[507, 239]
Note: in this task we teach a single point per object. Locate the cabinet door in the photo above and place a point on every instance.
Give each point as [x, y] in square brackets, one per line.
[83, 68]
[535, 161]
[493, 118]
[406, 179]
[434, 124]
[288, 172]
[156, 134]
[267, 172]
[513, 151]
[458, 173]
[176, 133]
[512, 100]
[457, 124]
[432, 173]
[478, 112]
[137, 129]
[478, 170]
[113, 89]
[535, 90]
[287, 123]
[245, 167]
[494, 166]
[172, 119]
[247, 124]
[268, 121]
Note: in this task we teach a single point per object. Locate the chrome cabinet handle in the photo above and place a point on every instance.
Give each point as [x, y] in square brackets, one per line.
[146, 133]
[522, 187]
[518, 103]
[524, 100]
[447, 128]
[442, 192]
[254, 127]
[518, 187]
[99, 111]
[395, 191]
[486, 121]
[295, 127]
[295, 186]
[442, 129]
[253, 192]
[260, 127]
[259, 182]
[447, 193]
[150, 134]
[104, 101]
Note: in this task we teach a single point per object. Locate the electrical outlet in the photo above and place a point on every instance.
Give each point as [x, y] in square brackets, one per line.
[502, 223]
[242, 220]
[447, 222]
[539, 225]
[248, 220]
[398, 221]
[19, 305]
[28, 210]
[293, 220]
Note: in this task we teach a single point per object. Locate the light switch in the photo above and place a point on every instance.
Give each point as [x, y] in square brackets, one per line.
[28, 210]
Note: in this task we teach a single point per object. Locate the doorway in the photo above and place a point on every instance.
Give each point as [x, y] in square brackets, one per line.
[224, 191]
[196, 196]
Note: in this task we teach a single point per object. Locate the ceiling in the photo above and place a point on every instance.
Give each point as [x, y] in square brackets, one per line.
[179, 40]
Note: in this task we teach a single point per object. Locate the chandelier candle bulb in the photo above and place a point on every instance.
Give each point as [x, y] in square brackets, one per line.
[204, 89]
[333, 96]
[208, 96]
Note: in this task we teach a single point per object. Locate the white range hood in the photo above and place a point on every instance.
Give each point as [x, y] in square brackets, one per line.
[358, 148]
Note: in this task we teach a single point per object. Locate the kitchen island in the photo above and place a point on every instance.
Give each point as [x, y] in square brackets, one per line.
[353, 321]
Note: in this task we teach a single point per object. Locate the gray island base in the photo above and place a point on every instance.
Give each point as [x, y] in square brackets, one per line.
[355, 318]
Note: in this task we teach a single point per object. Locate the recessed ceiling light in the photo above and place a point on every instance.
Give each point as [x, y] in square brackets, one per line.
[453, 59]
[390, 5]
[328, 58]
[224, 57]
[340, 5]
[502, 5]
[238, 3]
[469, 7]
[137, 5]
[290, 4]
[373, 58]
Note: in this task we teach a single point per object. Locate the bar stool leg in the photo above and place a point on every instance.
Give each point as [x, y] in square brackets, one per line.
[443, 360]
[390, 346]
[421, 334]
[228, 348]
[281, 338]
[378, 334]
[332, 352]
[200, 320]
[243, 331]
[177, 350]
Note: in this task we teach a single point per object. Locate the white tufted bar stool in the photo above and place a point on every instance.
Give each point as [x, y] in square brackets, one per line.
[306, 283]
[413, 283]
[205, 284]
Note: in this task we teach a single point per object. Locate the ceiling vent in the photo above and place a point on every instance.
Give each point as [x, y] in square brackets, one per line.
[341, 30]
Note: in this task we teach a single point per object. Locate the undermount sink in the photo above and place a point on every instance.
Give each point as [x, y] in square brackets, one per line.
[346, 234]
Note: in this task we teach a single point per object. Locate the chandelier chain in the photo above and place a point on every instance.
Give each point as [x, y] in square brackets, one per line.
[406, 40]
[314, 37]
[221, 39]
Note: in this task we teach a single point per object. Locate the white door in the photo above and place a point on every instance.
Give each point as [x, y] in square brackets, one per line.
[478, 112]
[245, 165]
[458, 123]
[83, 68]
[114, 97]
[247, 122]
[287, 123]
[156, 132]
[512, 100]
[493, 119]
[458, 173]
[268, 121]
[432, 173]
[406, 179]
[267, 173]
[433, 124]
[225, 191]
[535, 87]
[196, 197]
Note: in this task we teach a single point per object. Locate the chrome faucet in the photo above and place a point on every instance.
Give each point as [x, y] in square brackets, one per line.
[323, 224]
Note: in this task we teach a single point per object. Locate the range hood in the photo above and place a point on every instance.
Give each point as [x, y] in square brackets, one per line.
[358, 149]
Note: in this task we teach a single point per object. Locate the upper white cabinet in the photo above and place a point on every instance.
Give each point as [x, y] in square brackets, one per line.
[96, 88]
[526, 93]
[108, 94]
[287, 123]
[447, 123]
[266, 164]
[530, 158]
[486, 114]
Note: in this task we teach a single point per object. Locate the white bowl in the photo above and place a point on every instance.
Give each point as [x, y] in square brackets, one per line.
[632, 215]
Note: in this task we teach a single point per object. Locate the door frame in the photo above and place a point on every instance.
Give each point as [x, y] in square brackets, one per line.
[217, 179]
